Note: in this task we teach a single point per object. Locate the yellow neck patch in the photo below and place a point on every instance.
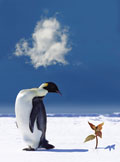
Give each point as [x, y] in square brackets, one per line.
[45, 84]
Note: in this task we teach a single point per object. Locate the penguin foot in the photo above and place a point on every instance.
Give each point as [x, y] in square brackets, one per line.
[29, 149]
[47, 146]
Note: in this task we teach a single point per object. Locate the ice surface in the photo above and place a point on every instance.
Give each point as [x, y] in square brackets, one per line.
[67, 133]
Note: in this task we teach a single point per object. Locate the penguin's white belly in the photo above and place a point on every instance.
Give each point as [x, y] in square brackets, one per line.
[23, 109]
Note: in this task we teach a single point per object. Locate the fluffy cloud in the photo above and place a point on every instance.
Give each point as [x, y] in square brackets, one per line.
[49, 44]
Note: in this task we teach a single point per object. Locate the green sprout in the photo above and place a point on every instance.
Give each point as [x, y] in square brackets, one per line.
[97, 134]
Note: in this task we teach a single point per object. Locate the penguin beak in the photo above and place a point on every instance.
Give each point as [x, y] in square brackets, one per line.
[59, 92]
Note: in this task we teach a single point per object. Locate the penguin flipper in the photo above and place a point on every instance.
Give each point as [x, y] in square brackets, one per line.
[36, 102]
[41, 124]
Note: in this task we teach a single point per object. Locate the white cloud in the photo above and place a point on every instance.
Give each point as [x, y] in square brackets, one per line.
[49, 44]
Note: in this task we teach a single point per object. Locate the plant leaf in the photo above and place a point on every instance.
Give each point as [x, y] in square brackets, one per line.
[90, 137]
[92, 126]
[99, 133]
[99, 127]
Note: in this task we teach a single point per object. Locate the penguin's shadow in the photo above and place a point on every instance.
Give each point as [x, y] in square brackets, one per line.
[66, 150]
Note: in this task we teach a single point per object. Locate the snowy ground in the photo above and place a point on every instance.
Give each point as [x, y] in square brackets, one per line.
[67, 134]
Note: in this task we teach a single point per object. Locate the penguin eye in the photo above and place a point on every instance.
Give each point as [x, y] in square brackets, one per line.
[53, 87]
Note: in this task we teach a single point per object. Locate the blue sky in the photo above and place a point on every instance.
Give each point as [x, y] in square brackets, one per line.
[93, 34]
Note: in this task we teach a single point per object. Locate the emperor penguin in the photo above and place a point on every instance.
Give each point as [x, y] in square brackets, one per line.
[31, 115]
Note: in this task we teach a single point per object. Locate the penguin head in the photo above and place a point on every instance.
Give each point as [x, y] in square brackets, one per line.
[51, 87]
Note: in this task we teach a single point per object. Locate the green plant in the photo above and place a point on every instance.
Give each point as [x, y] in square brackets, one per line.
[97, 134]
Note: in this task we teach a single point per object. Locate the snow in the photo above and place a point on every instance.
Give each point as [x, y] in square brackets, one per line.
[67, 133]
